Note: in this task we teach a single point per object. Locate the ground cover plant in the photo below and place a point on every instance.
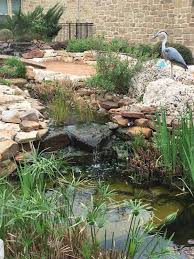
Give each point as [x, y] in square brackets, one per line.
[38, 220]
[12, 68]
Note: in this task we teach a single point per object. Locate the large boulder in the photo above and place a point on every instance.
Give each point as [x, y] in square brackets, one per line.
[152, 72]
[89, 137]
[55, 140]
[174, 96]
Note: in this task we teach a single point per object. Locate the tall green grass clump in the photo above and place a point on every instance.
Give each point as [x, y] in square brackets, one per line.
[113, 74]
[13, 68]
[176, 147]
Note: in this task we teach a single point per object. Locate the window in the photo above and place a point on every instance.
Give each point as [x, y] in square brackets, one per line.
[9, 7]
[16, 5]
[3, 7]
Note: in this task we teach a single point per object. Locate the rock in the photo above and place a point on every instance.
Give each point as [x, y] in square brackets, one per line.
[35, 53]
[112, 125]
[135, 131]
[7, 134]
[30, 73]
[146, 123]
[55, 140]
[108, 105]
[28, 126]
[148, 110]
[8, 149]
[132, 115]
[90, 55]
[30, 115]
[20, 82]
[120, 120]
[122, 134]
[42, 125]
[42, 133]
[2, 254]
[172, 95]
[124, 102]
[151, 72]
[89, 137]
[117, 111]
[11, 116]
[22, 156]
[7, 167]
[49, 53]
[9, 126]
[25, 137]
[6, 99]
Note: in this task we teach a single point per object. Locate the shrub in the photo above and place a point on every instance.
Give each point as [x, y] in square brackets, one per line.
[142, 51]
[90, 43]
[184, 51]
[113, 74]
[35, 24]
[5, 35]
[119, 45]
[13, 68]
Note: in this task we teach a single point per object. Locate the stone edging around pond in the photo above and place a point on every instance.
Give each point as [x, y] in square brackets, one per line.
[21, 123]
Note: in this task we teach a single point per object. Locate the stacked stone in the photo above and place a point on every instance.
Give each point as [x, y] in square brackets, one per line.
[21, 123]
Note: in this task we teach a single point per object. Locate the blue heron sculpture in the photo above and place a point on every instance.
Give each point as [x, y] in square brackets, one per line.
[170, 53]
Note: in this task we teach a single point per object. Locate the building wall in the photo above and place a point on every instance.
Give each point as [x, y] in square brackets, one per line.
[134, 20]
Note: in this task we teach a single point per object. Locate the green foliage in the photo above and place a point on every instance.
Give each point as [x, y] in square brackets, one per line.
[176, 147]
[60, 106]
[64, 106]
[35, 24]
[140, 51]
[139, 142]
[184, 51]
[5, 82]
[5, 35]
[119, 45]
[113, 74]
[13, 68]
[90, 43]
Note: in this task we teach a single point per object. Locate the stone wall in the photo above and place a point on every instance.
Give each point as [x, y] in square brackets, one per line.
[134, 20]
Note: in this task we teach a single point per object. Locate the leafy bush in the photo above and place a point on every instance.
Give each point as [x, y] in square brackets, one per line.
[5, 35]
[113, 74]
[90, 43]
[115, 45]
[142, 51]
[119, 45]
[35, 24]
[13, 68]
[184, 51]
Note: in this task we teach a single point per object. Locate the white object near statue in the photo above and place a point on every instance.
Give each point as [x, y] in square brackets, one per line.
[1, 249]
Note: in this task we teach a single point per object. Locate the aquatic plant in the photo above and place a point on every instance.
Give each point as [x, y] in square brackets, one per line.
[37, 221]
[176, 147]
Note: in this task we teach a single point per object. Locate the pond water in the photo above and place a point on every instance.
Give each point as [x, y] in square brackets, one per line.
[162, 200]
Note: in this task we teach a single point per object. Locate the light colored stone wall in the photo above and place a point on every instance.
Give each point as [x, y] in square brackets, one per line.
[134, 20]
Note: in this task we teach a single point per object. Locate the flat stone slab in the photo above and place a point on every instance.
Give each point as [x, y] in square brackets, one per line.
[8, 149]
[89, 137]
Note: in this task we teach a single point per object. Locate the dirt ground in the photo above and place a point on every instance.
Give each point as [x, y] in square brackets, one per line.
[70, 68]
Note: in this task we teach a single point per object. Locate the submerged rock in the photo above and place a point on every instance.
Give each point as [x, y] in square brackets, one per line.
[89, 137]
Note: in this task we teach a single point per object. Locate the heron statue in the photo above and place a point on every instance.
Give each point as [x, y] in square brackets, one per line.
[170, 53]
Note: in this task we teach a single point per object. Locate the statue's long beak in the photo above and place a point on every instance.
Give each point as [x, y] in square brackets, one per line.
[153, 38]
